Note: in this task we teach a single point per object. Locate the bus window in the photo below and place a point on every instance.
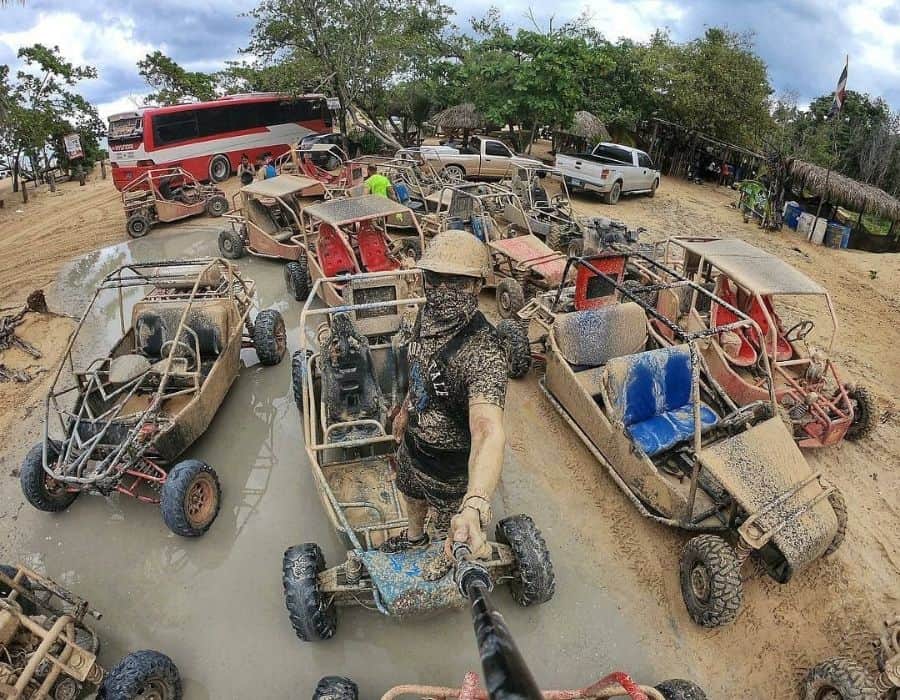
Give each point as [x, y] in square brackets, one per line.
[179, 126]
[212, 121]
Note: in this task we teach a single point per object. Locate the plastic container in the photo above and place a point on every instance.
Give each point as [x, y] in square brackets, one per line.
[481, 226]
[455, 223]
[402, 192]
[845, 241]
[835, 234]
[805, 223]
[818, 231]
[792, 212]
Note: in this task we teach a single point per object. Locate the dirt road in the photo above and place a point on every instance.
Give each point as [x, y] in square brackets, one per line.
[215, 604]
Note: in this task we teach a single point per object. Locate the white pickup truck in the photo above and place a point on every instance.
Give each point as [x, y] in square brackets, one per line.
[611, 170]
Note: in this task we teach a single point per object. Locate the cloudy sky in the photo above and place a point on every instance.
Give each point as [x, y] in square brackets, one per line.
[802, 41]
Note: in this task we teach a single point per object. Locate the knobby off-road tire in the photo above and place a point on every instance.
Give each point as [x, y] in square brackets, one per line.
[41, 490]
[575, 249]
[142, 672]
[219, 168]
[518, 349]
[312, 619]
[409, 248]
[614, 193]
[841, 677]
[510, 297]
[678, 689]
[191, 497]
[298, 376]
[710, 581]
[836, 499]
[296, 279]
[216, 205]
[554, 237]
[231, 245]
[336, 688]
[863, 415]
[137, 226]
[534, 581]
[27, 606]
[269, 337]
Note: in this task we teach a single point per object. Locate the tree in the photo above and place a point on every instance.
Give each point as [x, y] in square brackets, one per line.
[174, 84]
[357, 47]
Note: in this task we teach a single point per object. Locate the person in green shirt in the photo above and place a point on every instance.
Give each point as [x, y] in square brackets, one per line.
[379, 184]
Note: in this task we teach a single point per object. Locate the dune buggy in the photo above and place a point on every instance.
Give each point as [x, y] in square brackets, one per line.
[118, 422]
[414, 184]
[268, 217]
[326, 163]
[681, 449]
[819, 406]
[161, 195]
[49, 652]
[345, 384]
[841, 678]
[349, 236]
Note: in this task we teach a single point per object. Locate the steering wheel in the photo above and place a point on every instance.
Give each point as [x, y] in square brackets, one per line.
[183, 350]
[803, 329]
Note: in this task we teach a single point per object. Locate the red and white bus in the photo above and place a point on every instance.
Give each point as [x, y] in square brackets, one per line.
[208, 138]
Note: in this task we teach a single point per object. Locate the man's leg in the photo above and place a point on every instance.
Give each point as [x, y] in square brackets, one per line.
[416, 511]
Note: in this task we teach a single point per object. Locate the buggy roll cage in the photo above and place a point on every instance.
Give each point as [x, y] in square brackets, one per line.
[179, 275]
[311, 409]
[697, 360]
[481, 193]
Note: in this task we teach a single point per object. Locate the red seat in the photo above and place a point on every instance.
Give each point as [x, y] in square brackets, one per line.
[373, 249]
[746, 355]
[783, 350]
[334, 256]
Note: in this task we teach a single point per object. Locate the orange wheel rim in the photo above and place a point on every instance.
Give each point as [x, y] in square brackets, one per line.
[200, 501]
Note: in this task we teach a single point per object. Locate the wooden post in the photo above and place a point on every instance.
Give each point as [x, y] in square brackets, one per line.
[24, 191]
[103, 169]
[859, 220]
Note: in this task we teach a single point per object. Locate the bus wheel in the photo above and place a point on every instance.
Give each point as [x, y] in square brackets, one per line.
[219, 168]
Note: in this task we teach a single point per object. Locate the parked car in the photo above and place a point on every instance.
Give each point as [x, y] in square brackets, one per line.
[482, 158]
[610, 169]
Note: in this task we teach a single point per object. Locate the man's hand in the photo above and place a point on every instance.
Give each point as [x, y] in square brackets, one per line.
[466, 527]
[398, 427]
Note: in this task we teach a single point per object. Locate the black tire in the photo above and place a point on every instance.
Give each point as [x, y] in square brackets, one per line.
[313, 620]
[138, 225]
[554, 237]
[653, 188]
[231, 245]
[246, 178]
[836, 499]
[40, 490]
[216, 205]
[455, 173]
[269, 337]
[534, 581]
[678, 689]
[863, 414]
[27, 606]
[839, 678]
[409, 248]
[575, 249]
[510, 297]
[614, 193]
[191, 497]
[298, 376]
[336, 688]
[219, 168]
[710, 581]
[296, 279]
[518, 349]
[140, 672]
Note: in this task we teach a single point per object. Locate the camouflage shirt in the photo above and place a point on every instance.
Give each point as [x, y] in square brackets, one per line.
[476, 369]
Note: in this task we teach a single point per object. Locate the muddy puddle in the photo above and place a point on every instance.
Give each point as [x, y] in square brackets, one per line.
[215, 604]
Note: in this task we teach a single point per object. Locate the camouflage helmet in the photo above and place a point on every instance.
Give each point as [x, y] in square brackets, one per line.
[455, 253]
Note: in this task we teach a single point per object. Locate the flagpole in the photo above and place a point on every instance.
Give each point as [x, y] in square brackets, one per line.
[832, 161]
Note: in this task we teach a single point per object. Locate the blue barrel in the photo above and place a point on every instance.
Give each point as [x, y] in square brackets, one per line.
[834, 234]
[792, 212]
[402, 192]
[455, 223]
[845, 241]
[481, 227]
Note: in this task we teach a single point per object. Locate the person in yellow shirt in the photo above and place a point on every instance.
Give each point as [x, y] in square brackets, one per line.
[379, 184]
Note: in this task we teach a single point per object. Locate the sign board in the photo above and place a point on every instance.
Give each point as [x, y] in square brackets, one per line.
[334, 104]
[73, 146]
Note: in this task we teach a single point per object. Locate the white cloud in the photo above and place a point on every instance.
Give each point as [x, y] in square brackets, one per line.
[636, 19]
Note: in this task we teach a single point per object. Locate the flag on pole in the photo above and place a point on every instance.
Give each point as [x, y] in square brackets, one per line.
[839, 92]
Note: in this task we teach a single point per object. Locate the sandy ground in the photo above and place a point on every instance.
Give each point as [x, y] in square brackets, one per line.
[626, 566]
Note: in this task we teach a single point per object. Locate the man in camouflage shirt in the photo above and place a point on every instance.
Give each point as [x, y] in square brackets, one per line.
[450, 427]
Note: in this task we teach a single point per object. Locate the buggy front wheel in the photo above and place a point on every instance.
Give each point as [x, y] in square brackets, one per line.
[839, 678]
[296, 278]
[231, 245]
[269, 337]
[137, 226]
[518, 349]
[863, 413]
[142, 674]
[510, 297]
[534, 580]
[190, 498]
[40, 489]
[216, 205]
[312, 617]
[710, 581]
[336, 688]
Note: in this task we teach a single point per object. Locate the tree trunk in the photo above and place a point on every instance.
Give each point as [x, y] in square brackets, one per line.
[531, 138]
[24, 191]
[16, 174]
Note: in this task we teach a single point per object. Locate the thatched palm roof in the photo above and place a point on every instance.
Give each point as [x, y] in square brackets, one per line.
[838, 189]
[462, 117]
[587, 126]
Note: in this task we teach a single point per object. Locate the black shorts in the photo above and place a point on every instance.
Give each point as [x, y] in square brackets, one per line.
[444, 497]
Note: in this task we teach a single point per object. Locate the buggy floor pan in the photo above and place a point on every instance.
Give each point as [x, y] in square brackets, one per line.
[371, 483]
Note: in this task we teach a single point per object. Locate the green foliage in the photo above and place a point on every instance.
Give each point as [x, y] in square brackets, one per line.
[174, 84]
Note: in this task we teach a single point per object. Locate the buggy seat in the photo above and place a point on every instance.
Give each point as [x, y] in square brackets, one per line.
[650, 392]
[334, 254]
[373, 249]
[261, 215]
[155, 323]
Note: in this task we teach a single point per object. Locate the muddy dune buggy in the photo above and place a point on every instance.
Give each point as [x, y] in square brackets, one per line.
[415, 185]
[326, 163]
[682, 450]
[48, 651]
[349, 236]
[268, 217]
[841, 678]
[818, 405]
[346, 382]
[119, 422]
[162, 195]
